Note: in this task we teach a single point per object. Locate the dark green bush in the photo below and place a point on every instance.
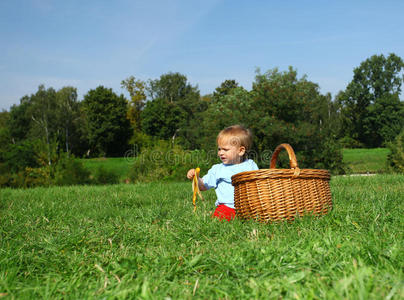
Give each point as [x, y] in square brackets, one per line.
[5, 175]
[27, 178]
[396, 157]
[348, 142]
[19, 156]
[165, 162]
[70, 171]
[34, 177]
[104, 176]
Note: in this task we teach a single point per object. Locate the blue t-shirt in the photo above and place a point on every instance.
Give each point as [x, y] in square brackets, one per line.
[219, 178]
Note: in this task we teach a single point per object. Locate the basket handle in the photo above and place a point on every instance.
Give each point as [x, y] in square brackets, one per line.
[291, 153]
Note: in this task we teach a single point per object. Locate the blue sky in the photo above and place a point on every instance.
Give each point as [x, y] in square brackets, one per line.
[88, 43]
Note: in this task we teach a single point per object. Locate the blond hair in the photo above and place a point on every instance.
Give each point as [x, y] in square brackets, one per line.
[238, 135]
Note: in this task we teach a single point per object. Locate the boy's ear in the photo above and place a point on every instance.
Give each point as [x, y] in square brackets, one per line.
[242, 150]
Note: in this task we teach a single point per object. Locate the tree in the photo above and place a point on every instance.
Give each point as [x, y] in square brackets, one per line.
[68, 109]
[227, 109]
[384, 121]
[173, 104]
[291, 110]
[43, 112]
[15, 155]
[49, 115]
[137, 92]
[377, 79]
[225, 88]
[171, 86]
[282, 100]
[19, 123]
[281, 108]
[396, 157]
[162, 119]
[5, 136]
[106, 123]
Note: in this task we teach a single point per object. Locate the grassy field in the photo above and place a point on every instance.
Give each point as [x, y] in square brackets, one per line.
[117, 165]
[143, 241]
[361, 161]
[358, 161]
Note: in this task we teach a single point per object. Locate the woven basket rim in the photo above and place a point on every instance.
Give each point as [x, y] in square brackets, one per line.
[281, 173]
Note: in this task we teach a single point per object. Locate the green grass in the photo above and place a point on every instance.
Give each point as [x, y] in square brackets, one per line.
[143, 241]
[117, 165]
[358, 161]
[362, 161]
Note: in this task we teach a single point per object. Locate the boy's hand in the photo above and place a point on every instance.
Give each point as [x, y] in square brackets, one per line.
[191, 174]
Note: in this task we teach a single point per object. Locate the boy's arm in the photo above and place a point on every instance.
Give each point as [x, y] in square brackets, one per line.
[201, 185]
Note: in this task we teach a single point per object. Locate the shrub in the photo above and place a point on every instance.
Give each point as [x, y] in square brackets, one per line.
[27, 178]
[165, 162]
[329, 156]
[70, 171]
[5, 175]
[104, 176]
[19, 156]
[34, 177]
[348, 142]
[396, 157]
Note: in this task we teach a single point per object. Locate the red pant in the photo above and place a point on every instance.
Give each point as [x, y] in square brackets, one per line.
[224, 212]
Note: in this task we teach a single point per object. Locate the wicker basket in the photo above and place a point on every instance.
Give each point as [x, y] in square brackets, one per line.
[277, 194]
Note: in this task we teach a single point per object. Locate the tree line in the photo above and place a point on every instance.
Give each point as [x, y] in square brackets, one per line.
[280, 107]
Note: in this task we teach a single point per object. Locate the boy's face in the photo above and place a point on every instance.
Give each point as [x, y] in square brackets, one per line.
[230, 151]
